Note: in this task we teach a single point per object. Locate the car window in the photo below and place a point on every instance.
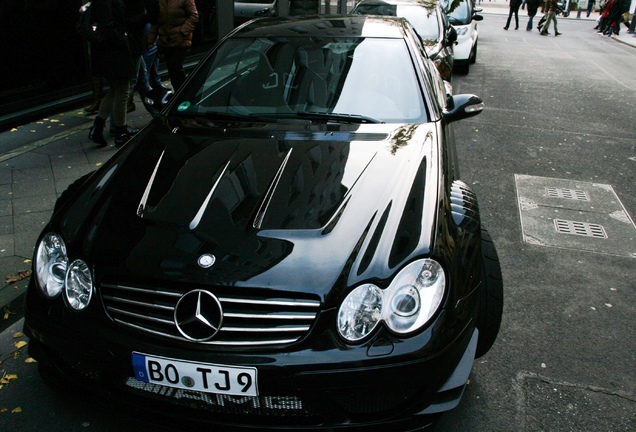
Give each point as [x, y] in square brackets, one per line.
[282, 77]
[459, 13]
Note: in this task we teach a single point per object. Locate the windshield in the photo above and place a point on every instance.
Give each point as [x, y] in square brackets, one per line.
[346, 79]
[460, 13]
[423, 19]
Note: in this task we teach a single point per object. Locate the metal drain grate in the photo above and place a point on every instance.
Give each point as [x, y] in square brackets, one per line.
[580, 228]
[572, 194]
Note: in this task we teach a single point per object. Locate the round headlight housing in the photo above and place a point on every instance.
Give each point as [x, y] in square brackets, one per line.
[51, 263]
[405, 306]
[79, 285]
[415, 295]
[360, 312]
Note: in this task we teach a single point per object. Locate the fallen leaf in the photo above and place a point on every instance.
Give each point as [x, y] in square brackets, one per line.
[16, 410]
[17, 335]
[27, 261]
[3, 410]
[20, 344]
[21, 275]
[30, 360]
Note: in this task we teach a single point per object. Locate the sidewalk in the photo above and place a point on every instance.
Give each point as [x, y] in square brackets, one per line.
[37, 163]
[500, 7]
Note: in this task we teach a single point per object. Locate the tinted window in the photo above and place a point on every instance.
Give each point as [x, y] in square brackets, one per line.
[285, 76]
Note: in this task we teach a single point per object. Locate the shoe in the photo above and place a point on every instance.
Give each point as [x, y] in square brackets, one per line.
[517, 28]
[129, 130]
[96, 132]
[123, 134]
[543, 34]
[131, 107]
[93, 108]
[557, 34]
[505, 28]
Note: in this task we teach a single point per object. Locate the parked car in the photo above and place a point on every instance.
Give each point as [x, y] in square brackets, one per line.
[288, 245]
[245, 10]
[463, 16]
[430, 22]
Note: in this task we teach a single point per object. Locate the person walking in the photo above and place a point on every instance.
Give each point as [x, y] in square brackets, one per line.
[514, 10]
[113, 61]
[173, 34]
[550, 10]
[533, 7]
[590, 7]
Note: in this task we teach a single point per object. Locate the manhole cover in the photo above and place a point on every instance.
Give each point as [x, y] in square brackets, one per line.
[574, 215]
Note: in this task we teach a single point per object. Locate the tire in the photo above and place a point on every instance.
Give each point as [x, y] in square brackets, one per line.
[473, 55]
[490, 296]
[463, 68]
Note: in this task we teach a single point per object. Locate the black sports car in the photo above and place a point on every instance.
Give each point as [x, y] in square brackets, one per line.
[288, 245]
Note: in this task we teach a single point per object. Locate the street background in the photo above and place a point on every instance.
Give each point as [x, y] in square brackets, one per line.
[559, 110]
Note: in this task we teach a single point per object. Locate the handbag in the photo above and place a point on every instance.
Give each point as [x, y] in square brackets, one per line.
[87, 27]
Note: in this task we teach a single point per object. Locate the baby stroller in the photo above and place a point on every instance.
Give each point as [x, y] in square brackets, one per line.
[562, 9]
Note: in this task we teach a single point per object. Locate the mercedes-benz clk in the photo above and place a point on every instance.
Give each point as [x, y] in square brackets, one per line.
[288, 245]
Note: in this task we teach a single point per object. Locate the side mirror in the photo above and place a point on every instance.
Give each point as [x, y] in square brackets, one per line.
[452, 35]
[477, 17]
[462, 106]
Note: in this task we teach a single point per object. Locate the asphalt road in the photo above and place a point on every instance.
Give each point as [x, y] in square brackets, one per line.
[559, 114]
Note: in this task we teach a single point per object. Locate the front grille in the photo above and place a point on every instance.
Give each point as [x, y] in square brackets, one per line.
[249, 319]
[269, 406]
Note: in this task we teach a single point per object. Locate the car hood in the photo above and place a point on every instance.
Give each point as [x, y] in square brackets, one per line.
[303, 208]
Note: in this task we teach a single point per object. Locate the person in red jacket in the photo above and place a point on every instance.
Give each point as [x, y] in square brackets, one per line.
[173, 34]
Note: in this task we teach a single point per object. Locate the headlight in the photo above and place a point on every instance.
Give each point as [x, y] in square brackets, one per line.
[409, 302]
[416, 293]
[79, 285]
[360, 312]
[51, 263]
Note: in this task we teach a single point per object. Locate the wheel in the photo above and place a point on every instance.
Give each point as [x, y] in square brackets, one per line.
[473, 55]
[463, 68]
[490, 296]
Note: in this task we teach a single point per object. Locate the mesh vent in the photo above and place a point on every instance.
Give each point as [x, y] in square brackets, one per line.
[572, 194]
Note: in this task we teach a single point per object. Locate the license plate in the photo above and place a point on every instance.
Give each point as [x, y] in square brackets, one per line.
[205, 377]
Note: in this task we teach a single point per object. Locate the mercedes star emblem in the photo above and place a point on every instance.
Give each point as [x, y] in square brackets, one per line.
[198, 315]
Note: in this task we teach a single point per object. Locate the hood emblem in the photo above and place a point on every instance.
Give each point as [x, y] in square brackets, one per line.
[198, 315]
[206, 260]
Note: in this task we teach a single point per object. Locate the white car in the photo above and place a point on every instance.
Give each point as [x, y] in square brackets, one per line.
[463, 16]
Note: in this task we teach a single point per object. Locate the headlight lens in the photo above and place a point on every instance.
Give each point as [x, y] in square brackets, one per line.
[416, 293]
[406, 305]
[360, 312]
[51, 264]
[79, 285]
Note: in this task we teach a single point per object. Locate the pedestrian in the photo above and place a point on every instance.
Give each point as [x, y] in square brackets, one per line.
[590, 7]
[533, 7]
[113, 61]
[603, 22]
[615, 17]
[550, 10]
[173, 34]
[514, 10]
[136, 18]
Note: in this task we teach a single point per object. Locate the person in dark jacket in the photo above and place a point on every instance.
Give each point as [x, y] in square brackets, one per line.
[173, 34]
[514, 10]
[550, 10]
[113, 61]
[533, 7]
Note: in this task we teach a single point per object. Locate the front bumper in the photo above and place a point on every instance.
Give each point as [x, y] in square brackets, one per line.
[385, 384]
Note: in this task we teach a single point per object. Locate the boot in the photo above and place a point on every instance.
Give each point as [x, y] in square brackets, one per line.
[96, 132]
[98, 94]
[122, 135]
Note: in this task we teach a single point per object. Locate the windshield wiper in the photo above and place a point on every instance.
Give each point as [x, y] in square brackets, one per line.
[339, 117]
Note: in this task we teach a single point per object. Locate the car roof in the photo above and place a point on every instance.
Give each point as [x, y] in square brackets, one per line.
[326, 26]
